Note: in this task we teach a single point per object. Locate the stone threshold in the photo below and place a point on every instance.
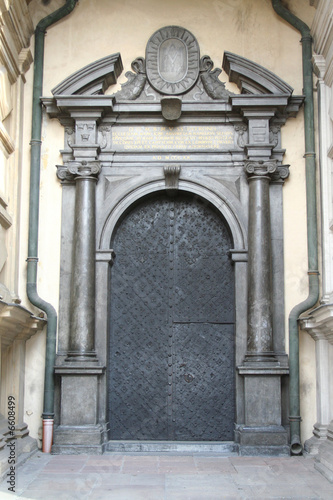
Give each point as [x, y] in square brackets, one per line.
[227, 448]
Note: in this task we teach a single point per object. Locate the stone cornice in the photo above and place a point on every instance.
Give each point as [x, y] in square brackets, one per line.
[320, 323]
[322, 31]
[16, 29]
[319, 65]
[283, 104]
[280, 106]
[17, 323]
[61, 106]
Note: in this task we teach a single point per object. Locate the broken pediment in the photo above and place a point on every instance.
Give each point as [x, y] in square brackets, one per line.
[93, 79]
[251, 78]
[172, 66]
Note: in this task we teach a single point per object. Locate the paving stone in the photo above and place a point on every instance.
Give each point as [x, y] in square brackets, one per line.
[167, 477]
[130, 492]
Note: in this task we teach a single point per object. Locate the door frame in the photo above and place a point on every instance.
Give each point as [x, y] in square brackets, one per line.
[231, 210]
[211, 208]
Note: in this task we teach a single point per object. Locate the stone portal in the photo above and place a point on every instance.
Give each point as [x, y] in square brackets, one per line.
[181, 343]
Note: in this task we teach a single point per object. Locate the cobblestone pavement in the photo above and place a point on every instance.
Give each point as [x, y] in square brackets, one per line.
[166, 477]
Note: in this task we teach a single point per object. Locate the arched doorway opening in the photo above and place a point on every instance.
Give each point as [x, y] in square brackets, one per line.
[171, 347]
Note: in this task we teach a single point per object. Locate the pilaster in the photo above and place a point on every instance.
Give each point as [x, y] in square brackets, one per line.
[320, 326]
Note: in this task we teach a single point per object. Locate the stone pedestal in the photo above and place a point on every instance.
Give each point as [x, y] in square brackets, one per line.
[262, 432]
[79, 430]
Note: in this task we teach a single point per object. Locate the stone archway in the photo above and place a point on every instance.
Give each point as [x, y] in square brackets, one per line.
[172, 347]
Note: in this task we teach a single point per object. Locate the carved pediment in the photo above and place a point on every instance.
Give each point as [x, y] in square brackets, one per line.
[93, 79]
[173, 67]
[251, 78]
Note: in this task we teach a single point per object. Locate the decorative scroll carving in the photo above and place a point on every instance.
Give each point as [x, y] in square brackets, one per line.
[69, 131]
[260, 168]
[132, 89]
[63, 173]
[149, 93]
[281, 173]
[171, 173]
[197, 95]
[104, 129]
[75, 169]
[274, 132]
[241, 135]
[210, 79]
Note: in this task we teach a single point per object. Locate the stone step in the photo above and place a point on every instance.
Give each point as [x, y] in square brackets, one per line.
[227, 448]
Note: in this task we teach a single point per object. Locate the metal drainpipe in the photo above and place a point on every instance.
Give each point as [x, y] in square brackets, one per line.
[32, 260]
[311, 205]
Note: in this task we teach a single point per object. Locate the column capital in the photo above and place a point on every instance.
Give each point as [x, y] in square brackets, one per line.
[255, 169]
[73, 170]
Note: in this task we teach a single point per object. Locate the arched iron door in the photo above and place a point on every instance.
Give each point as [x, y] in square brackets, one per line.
[171, 362]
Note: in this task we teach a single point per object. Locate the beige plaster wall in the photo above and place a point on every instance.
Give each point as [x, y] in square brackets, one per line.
[249, 28]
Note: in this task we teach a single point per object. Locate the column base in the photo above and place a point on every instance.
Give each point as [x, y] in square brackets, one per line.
[262, 440]
[324, 460]
[311, 446]
[23, 445]
[262, 432]
[80, 430]
[87, 357]
[77, 439]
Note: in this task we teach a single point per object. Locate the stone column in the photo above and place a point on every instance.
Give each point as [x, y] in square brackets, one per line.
[82, 324]
[260, 335]
[80, 373]
[262, 430]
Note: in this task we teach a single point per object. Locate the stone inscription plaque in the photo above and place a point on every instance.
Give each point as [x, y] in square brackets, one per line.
[182, 138]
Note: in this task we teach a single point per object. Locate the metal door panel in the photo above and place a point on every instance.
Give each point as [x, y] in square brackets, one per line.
[204, 386]
[171, 320]
[139, 333]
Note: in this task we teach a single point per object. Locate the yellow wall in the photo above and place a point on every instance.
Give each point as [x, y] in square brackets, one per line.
[249, 28]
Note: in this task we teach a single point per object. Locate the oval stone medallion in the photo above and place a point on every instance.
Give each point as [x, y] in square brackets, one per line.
[172, 60]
